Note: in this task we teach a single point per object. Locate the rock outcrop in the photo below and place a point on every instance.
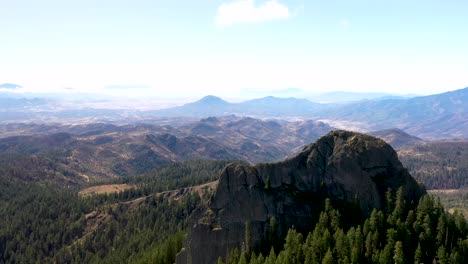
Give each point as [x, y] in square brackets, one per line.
[344, 166]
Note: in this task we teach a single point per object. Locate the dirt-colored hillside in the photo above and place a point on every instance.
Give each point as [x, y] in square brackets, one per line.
[105, 189]
[96, 152]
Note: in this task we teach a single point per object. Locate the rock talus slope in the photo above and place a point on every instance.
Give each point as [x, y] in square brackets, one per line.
[344, 166]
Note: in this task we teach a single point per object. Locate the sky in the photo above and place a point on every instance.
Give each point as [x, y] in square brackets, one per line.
[157, 49]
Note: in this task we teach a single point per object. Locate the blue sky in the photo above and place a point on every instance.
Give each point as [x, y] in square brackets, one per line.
[154, 48]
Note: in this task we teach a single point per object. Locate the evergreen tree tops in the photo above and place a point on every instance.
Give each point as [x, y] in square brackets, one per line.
[425, 233]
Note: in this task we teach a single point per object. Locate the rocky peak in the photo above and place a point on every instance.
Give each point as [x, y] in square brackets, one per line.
[344, 166]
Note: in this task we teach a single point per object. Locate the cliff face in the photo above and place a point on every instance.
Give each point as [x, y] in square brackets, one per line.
[342, 165]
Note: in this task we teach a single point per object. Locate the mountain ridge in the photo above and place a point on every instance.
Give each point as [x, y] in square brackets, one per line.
[396, 137]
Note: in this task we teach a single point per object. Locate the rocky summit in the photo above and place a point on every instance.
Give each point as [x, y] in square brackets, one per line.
[347, 167]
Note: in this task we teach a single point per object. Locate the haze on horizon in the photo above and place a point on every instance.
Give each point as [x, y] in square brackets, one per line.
[233, 48]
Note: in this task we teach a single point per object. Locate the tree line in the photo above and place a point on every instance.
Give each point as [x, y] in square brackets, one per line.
[397, 234]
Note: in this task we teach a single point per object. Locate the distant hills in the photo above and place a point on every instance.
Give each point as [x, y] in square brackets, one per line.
[75, 155]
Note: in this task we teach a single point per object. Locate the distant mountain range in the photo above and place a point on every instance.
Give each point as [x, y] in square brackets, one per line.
[327, 97]
[10, 86]
[7, 103]
[436, 116]
[266, 107]
[347, 97]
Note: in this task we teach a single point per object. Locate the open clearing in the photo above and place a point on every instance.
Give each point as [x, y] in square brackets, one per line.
[448, 191]
[105, 189]
[453, 199]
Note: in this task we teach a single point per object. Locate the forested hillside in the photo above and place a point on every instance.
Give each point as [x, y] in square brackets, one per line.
[438, 164]
[43, 222]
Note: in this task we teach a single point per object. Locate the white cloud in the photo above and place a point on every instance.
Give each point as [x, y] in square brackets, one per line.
[245, 11]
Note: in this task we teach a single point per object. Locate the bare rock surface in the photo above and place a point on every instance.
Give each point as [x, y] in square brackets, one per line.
[344, 166]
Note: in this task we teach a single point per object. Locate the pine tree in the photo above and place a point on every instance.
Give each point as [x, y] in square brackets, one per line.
[388, 201]
[325, 242]
[441, 230]
[253, 259]
[366, 228]
[399, 256]
[233, 257]
[328, 258]
[427, 228]
[376, 220]
[273, 231]
[410, 220]
[386, 255]
[455, 257]
[418, 255]
[293, 247]
[424, 207]
[358, 244]
[248, 237]
[283, 258]
[399, 210]
[354, 255]
[271, 259]
[260, 259]
[308, 249]
[243, 258]
[220, 260]
[460, 222]
[341, 246]
[369, 248]
[442, 255]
